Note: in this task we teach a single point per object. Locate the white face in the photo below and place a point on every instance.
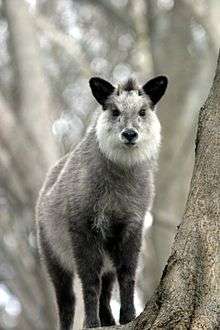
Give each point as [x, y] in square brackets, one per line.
[128, 130]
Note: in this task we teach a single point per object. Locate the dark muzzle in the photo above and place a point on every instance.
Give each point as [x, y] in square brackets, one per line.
[130, 136]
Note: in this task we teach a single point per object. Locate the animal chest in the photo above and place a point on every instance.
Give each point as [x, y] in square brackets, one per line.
[118, 205]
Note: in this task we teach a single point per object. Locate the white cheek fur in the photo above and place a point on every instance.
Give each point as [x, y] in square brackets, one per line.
[111, 145]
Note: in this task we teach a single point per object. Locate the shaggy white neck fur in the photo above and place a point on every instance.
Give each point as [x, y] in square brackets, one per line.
[147, 147]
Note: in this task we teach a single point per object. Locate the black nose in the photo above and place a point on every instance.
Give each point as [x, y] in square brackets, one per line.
[130, 135]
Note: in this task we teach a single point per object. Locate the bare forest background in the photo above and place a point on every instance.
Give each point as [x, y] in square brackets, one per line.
[49, 50]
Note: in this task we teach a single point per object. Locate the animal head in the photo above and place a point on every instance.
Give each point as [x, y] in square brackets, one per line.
[128, 130]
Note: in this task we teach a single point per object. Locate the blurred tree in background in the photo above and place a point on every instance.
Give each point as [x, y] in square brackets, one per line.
[49, 49]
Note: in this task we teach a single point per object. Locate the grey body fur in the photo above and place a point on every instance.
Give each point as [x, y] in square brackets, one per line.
[91, 209]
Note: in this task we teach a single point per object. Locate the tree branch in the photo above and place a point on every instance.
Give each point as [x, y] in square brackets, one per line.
[68, 43]
[129, 326]
[114, 14]
[21, 151]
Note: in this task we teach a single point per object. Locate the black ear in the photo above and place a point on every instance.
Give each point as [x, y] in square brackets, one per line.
[155, 88]
[101, 89]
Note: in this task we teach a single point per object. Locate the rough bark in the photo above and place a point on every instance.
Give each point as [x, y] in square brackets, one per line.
[178, 113]
[187, 296]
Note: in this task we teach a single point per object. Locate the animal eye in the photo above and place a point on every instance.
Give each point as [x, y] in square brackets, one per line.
[115, 113]
[142, 112]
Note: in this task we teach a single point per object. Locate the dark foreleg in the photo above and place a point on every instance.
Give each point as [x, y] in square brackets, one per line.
[62, 281]
[126, 280]
[105, 297]
[125, 259]
[89, 264]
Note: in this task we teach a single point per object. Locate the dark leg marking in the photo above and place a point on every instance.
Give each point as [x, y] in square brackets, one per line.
[89, 261]
[62, 281]
[125, 260]
[126, 280]
[91, 291]
[105, 312]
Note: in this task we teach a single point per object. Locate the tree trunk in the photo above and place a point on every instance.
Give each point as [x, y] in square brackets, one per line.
[35, 106]
[178, 113]
[187, 296]
[27, 150]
